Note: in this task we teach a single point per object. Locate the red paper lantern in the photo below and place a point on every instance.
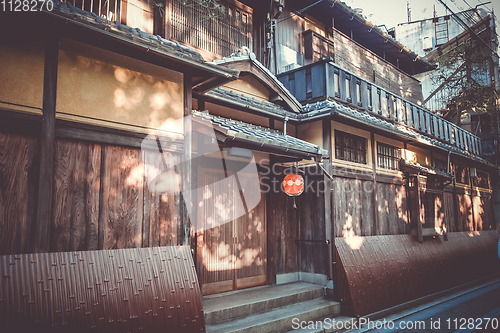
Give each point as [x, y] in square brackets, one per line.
[293, 184]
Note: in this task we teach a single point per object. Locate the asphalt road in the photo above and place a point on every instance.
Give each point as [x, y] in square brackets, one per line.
[476, 309]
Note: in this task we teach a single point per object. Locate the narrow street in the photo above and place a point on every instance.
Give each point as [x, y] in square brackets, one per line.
[476, 309]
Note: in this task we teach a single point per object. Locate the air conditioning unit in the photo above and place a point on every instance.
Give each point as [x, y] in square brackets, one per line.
[427, 43]
[473, 172]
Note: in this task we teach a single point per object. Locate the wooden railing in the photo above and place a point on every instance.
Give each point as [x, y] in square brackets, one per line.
[108, 9]
[324, 79]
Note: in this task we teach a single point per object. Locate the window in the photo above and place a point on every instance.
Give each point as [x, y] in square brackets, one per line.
[222, 30]
[461, 174]
[482, 180]
[440, 165]
[349, 147]
[348, 88]
[388, 156]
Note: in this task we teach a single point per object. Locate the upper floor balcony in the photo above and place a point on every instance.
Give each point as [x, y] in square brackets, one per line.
[325, 80]
[214, 28]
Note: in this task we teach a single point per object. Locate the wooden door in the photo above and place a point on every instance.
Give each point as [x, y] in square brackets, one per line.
[233, 254]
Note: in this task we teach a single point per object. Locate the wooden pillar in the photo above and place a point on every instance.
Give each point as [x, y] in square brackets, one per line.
[186, 171]
[47, 142]
[471, 181]
[420, 222]
[168, 19]
[201, 104]
[374, 192]
[329, 224]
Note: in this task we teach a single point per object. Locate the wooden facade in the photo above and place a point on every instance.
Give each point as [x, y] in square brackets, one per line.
[74, 174]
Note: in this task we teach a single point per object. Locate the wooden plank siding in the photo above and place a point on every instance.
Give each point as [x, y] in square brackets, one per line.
[75, 208]
[311, 208]
[19, 174]
[100, 200]
[281, 232]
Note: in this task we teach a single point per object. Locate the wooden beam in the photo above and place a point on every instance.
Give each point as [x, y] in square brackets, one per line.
[186, 171]
[420, 235]
[47, 142]
[374, 192]
[329, 223]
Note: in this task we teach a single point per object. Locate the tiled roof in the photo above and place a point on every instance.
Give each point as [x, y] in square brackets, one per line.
[364, 117]
[260, 135]
[425, 168]
[134, 35]
[249, 102]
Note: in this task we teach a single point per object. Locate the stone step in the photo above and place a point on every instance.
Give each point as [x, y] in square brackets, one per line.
[238, 304]
[279, 319]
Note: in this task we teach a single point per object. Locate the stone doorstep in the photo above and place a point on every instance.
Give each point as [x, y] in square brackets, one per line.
[221, 308]
[279, 319]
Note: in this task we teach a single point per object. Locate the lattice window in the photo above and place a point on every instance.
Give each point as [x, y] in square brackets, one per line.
[349, 147]
[222, 34]
[388, 156]
[461, 174]
[482, 180]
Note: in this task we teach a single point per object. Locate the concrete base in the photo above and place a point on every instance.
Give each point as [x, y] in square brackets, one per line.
[319, 279]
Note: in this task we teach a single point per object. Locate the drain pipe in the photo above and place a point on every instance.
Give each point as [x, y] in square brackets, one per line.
[285, 120]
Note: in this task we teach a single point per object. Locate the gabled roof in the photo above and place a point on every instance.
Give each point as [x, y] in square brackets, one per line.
[244, 102]
[247, 64]
[78, 24]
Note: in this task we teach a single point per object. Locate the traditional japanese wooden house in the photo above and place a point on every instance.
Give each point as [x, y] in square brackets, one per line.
[394, 197]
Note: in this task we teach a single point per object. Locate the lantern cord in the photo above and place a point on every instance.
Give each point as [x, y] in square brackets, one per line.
[294, 205]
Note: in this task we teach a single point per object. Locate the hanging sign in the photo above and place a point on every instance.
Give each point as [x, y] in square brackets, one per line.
[293, 184]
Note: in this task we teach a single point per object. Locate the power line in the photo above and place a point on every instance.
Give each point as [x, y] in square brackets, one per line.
[466, 27]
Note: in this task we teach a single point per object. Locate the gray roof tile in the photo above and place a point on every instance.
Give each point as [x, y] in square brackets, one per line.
[259, 134]
[332, 107]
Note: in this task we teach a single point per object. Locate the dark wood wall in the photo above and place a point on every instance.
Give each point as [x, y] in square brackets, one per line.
[100, 199]
[19, 170]
[282, 220]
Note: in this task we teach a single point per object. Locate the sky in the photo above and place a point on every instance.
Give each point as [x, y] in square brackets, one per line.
[392, 12]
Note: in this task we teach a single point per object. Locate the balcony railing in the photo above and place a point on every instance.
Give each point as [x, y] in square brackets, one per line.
[108, 9]
[324, 79]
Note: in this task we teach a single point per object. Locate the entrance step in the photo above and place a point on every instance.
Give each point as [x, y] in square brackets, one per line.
[269, 308]
[219, 308]
[279, 319]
